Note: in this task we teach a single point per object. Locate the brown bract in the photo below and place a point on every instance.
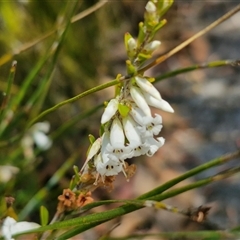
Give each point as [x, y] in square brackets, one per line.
[83, 199]
[70, 200]
[66, 200]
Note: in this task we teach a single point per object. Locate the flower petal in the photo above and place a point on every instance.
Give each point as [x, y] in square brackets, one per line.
[20, 227]
[109, 111]
[11, 227]
[6, 227]
[140, 100]
[108, 168]
[154, 145]
[151, 126]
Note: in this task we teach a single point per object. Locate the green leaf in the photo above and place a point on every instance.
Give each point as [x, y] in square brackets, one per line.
[44, 215]
[6, 107]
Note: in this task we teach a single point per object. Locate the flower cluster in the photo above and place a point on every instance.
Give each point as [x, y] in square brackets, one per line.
[130, 130]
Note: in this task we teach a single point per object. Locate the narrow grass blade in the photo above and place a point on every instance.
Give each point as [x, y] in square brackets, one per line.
[5, 106]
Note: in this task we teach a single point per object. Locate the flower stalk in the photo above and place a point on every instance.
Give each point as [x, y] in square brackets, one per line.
[129, 127]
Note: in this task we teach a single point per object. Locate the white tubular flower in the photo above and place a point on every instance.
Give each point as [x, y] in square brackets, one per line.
[116, 145]
[150, 7]
[117, 138]
[160, 104]
[140, 150]
[121, 153]
[140, 101]
[11, 227]
[154, 145]
[151, 126]
[109, 167]
[146, 86]
[152, 46]
[138, 115]
[109, 111]
[131, 132]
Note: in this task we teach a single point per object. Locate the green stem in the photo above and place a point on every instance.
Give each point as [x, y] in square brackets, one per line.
[116, 81]
[213, 64]
[191, 39]
[215, 162]
[86, 222]
[73, 99]
[95, 219]
[200, 235]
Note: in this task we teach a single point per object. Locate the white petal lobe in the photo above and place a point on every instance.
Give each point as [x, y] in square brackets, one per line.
[160, 104]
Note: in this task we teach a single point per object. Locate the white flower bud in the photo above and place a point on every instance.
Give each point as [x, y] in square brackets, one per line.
[150, 7]
[94, 148]
[140, 100]
[117, 138]
[152, 46]
[160, 104]
[131, 44]
[146, 86]
[109, 111]
[131, 132]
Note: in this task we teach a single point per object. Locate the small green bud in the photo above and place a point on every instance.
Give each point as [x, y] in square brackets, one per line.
[131, 70]
[141, 33]
[91, 138]
[123, 109]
